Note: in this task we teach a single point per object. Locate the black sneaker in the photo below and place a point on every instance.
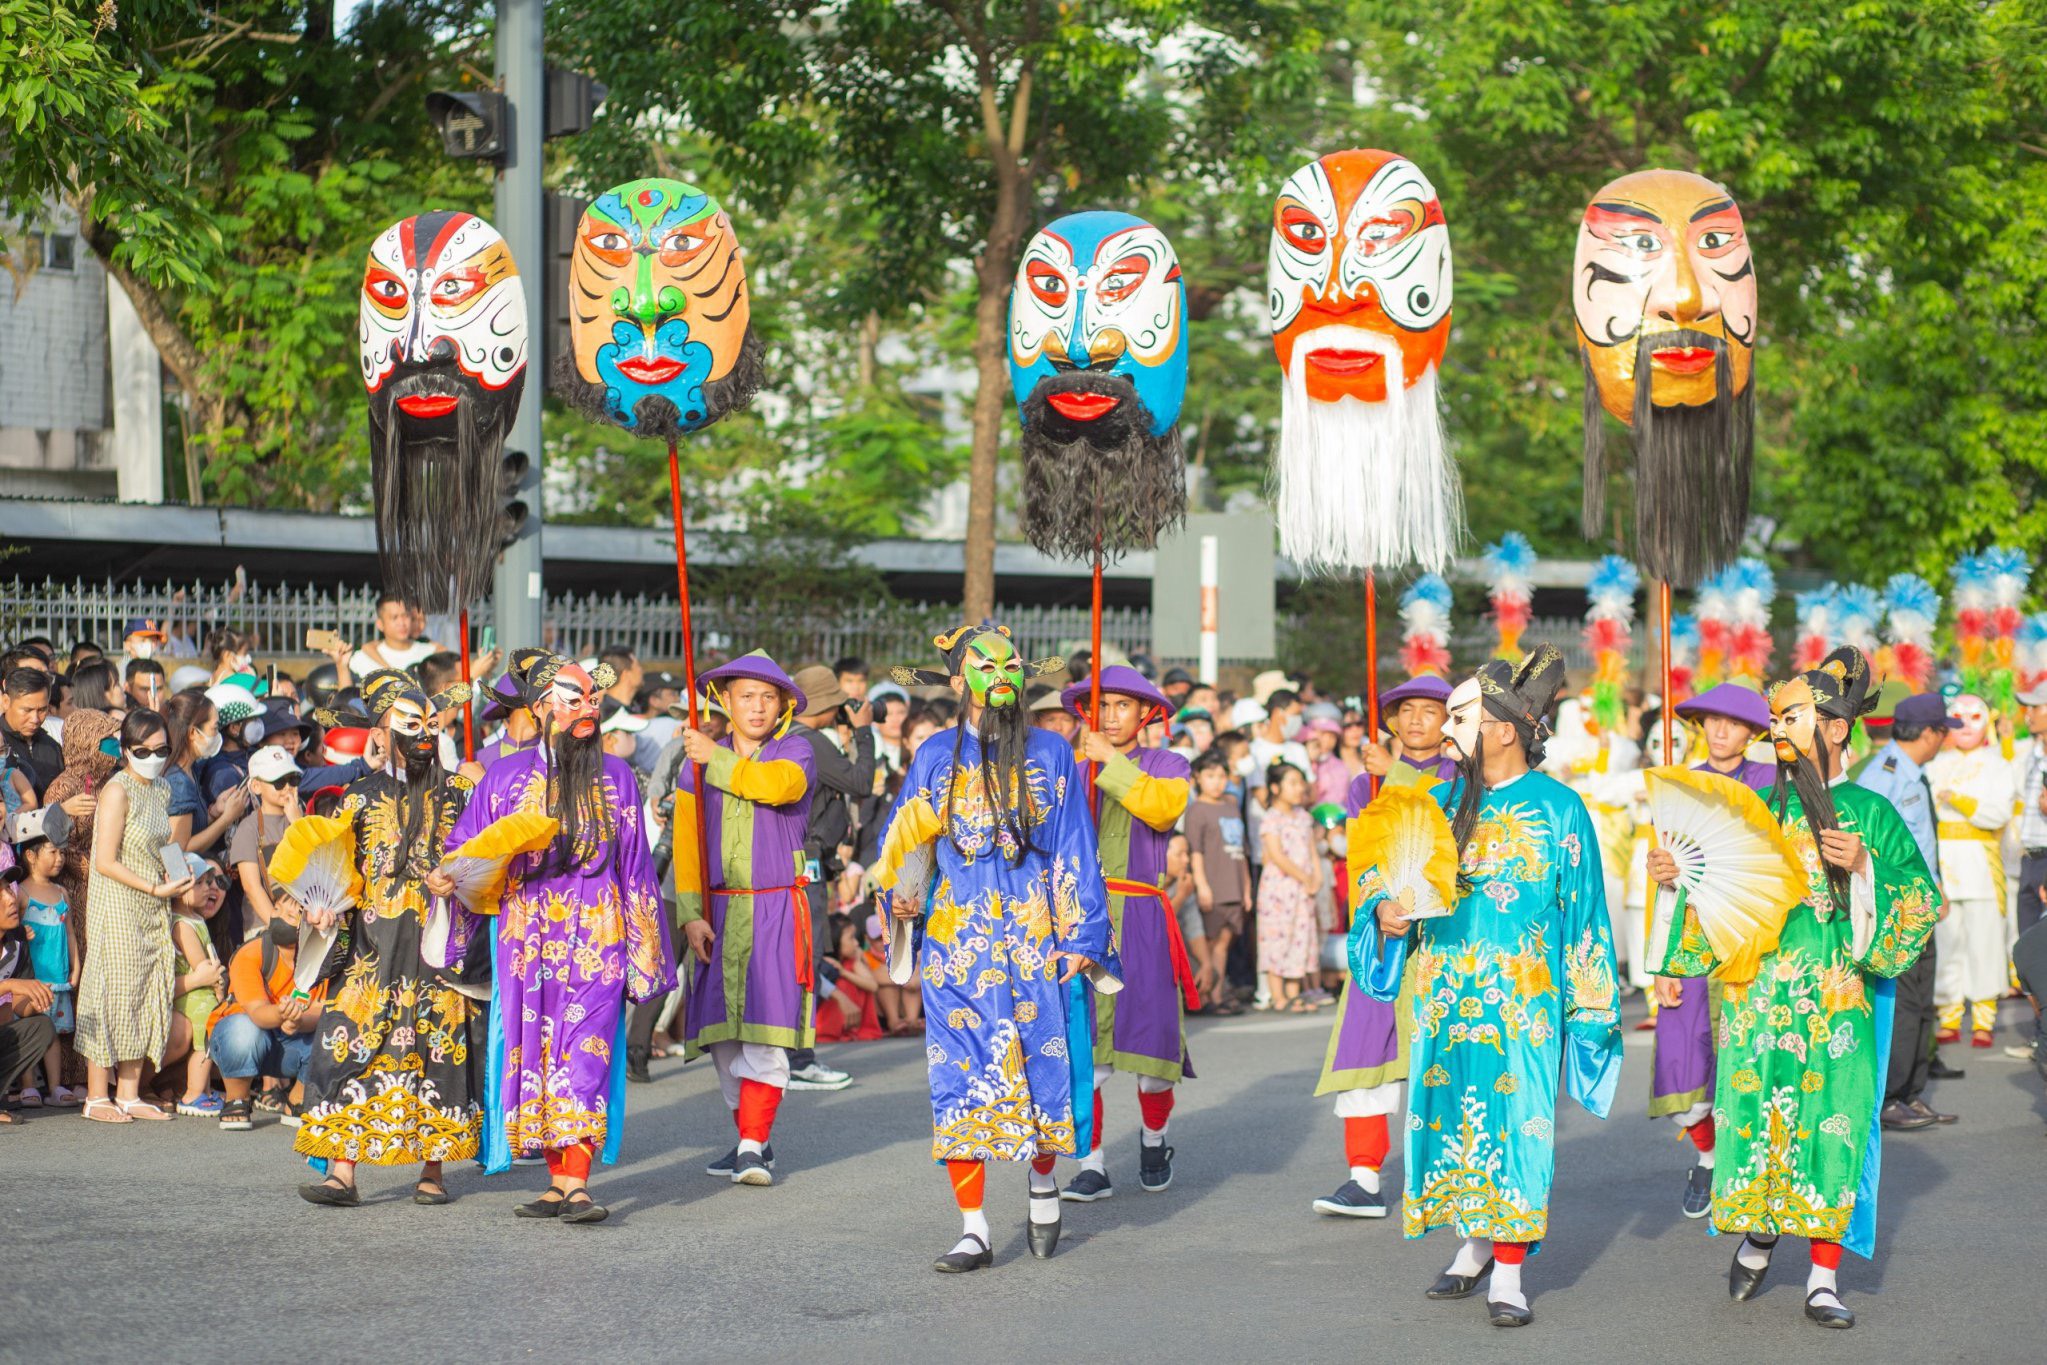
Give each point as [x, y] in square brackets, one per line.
[1087, 1187]
[724, 1164]
[636, 1070]
[751, 1168]
[1352, 1200]
[1154, 1167]
[1698, 1200]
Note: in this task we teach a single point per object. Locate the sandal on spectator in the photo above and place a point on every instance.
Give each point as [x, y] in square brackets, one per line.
[8, 1120]
[31, 1098]
[64, 1097]
[234, 1116]
[332, 1192]
[142, 1109]
[275, 1100]
[104, 1111]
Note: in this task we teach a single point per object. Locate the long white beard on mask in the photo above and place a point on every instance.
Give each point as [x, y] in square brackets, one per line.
[1364, 485]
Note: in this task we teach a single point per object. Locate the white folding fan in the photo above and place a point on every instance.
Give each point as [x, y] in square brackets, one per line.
[1735, 869]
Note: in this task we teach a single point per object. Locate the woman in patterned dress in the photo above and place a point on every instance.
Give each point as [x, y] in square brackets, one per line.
[124, 990]
[1287, 940]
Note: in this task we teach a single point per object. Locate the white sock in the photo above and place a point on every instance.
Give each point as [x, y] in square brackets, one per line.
[1366, 1178]
[1043, 1210]
[1705, 1159]
[973, 1223]
[1506, 1285]
[1822, 1277]
[1472, 1256]
[1756, 1255]
[749, 1145]
[1152, 1137]
[1043, 1184]
[1096, 1161]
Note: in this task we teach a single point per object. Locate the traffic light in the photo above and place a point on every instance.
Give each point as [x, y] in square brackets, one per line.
[572, 100]
[475, 125]
[519, 483]
[563, 213]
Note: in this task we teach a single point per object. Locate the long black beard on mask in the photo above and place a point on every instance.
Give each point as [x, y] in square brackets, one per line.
[575, 796]
[1005, 735]
[439, 485]
[419, 797]
[1692, 467]
[1108, 484]
[1816, 798]
[656, 416]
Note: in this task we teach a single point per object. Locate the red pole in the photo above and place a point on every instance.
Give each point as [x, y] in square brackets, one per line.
[689, 666]
[1372, 666]
[1669, 702]
[1094, 675]
[468, 708]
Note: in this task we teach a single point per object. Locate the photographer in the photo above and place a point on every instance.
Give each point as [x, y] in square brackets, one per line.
[842, 745]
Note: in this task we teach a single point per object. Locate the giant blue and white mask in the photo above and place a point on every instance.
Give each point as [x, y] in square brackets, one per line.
[1098, 361]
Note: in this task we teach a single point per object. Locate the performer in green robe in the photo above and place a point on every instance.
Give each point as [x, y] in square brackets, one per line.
[1512, 988]
[1803, 1046]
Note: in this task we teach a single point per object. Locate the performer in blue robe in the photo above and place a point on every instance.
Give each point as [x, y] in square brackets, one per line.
[991, 853]
[1512, 987]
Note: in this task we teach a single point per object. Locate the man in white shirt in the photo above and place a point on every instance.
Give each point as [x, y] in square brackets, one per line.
[396, 646]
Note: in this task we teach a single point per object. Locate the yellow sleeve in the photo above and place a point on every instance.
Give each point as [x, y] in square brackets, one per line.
[1158, 801]
[689, 865]
[777, 782]
[1965, 805]
[915, 826]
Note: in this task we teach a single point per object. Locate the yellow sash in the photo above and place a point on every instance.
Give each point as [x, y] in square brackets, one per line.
[1993, 848]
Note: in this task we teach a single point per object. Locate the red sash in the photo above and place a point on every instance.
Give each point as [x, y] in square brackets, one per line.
[1183, 970]
[806, 963]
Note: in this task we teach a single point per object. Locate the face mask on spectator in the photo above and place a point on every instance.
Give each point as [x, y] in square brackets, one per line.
[148, 769]
[211, 746]
[1291, 726]
[1244, 766]
[283, 934]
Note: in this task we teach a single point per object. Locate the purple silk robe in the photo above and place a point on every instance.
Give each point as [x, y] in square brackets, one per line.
[750, 989]
[572, 949]
[1365, 1044]
[1138, 1028]
[1681, 1072]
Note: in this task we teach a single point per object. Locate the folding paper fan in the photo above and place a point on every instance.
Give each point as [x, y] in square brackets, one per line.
[1405, 835]
[478, 867]
[315, 862]
[1735, 868]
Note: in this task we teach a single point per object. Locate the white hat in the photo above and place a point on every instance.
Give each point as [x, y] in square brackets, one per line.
[270, 763]
[188, 676]
[1245, 712]
[233, 702]
[1267, 683]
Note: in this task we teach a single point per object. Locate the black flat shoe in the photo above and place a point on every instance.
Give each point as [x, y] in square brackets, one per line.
[960, 1262]
[1742, 1283]
[1939, 1070]
[636, 1065]
[331, 1195]
[542, 1207]
[1448, 1286]
[429, 1192]
[1043, 1237]
[1507, 1315]
[581, 1208]
[1828, 1314]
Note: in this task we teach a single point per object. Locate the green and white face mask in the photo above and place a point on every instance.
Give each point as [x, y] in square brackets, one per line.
[993, 670]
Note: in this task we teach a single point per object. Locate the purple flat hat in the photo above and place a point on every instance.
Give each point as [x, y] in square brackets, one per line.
[757, 666]
[501, 698]
[1121, 679]
[1428, 686]
[1731, 700]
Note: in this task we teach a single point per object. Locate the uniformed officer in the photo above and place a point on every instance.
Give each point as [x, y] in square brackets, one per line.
[1897, 772]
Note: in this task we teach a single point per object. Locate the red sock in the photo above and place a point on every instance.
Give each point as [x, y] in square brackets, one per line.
[1701, 1134]
[1510, 1253]
[969, 1179]
[554, 1162]
[1826, 1255]
[1154, 1107]
[757, 1104]
[571, 1162]
[1096, 1142]
[1043, 1164]
[1366, 1141]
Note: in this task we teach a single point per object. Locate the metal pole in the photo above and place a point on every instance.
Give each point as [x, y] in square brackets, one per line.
[1211, 621]
[520, 212]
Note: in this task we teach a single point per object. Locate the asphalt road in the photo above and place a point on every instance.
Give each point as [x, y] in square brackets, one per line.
[176, 1242]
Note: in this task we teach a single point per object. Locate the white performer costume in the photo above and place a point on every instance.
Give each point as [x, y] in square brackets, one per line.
[1974, 794]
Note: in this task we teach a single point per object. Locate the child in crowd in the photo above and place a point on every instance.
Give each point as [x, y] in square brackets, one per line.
[1329, 909]
[1287, 948]
[197, 989]
[1221, 872]
[1186, 906]
[54, 952]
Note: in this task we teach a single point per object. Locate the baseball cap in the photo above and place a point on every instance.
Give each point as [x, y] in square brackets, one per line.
[1928, 709]
[1246, 712]
[270, 763]
[2035, 695]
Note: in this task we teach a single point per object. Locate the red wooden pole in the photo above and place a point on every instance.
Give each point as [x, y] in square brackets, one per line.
[468, 708]
[1094, 676]
[1669, 702]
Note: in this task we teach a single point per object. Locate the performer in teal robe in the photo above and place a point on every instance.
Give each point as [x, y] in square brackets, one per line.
[1511, 988]
[990, 852]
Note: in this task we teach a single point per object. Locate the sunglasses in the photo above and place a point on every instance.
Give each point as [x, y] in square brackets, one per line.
[281, 783]
[214, 880]
[160, 751]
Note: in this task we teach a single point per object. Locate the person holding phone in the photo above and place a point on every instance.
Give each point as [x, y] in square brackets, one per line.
[124, 990]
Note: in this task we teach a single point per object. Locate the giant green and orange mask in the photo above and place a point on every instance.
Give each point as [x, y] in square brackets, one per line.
[993, 670]
[660, 335]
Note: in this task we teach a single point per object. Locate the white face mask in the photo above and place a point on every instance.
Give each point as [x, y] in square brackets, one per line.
[1291, 726]
[144, 649]
[148, 769]
[1245, 765]
[211, 746]
[245, 663]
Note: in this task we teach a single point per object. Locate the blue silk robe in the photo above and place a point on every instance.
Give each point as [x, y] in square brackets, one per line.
[1513, 987]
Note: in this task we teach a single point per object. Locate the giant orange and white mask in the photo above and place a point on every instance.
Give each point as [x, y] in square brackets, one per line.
[1664, 291]
[1358, 287]
[1974, 714]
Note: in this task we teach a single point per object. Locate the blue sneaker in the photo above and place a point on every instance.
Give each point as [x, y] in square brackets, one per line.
[1352, 1200]
[207, 1106]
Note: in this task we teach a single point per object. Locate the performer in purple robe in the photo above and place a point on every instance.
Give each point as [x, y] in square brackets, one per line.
[1141, 793]
[1367, 1056]
[751, 992]
[580, 931]
[1733, 716]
